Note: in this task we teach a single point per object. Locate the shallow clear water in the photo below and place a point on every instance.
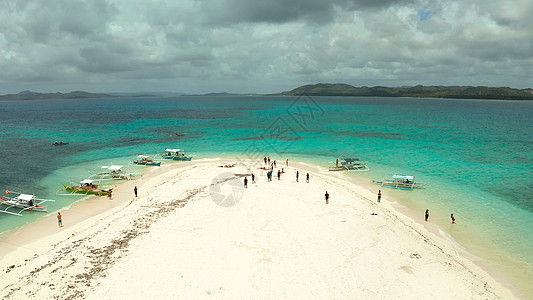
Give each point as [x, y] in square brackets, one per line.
[475, 156]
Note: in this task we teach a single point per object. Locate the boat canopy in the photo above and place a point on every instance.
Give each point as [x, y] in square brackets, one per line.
[172, 150]
[25, 197]
[89, 181]
[403, 177]
[143, 156]
[112, 168]
[352, 159]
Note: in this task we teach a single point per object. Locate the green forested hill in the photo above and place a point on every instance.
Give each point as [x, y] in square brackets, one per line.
[419, 91]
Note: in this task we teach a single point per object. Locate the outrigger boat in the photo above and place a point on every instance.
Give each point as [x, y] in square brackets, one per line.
[112, 173]
[86, 187]
[175, 154]
[351, 164]
[401, 182]
[22, 202]
[146, 160]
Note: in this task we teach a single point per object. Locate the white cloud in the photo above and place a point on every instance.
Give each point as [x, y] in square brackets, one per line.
[241, 46]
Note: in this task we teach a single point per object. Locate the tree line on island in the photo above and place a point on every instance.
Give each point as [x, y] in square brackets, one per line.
[419, 91]
[324, 89]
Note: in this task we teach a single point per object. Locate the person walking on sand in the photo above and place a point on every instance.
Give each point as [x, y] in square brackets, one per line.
[279, 175]
[287, 162]
[59, 220]
[379, 196]
[265, 159]
[245, 182]
[427, 214]
[453, 219]
[253, 178]
[275, 164]
[268, 158]
[307, 178]
[109, 192]
[327, 197]
[135, 191]
[297, 175]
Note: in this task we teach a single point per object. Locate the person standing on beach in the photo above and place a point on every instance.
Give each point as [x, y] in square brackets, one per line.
[279, 175]
[109, 192]
[379, 196]
[453, 219]
[327, 197]
[59, 220]
[287, 162]
[275, 164]
[245, 182]
[253, 178]
[265, 160]
[427, 214]
[297, 175]
[307, 178]
[268, 158]
[135, 191]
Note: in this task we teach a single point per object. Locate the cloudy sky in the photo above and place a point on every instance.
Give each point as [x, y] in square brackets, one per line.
[199, 46]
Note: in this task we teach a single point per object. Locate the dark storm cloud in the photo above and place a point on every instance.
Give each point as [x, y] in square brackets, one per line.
[57, 19]
[227, 12]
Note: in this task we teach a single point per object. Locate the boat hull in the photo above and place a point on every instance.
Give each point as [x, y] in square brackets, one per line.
[399, 185]
[80, 190]
[144, 163]
[38, 208]
[182, 158]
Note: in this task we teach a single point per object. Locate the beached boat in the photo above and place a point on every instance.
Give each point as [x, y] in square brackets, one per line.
[401, 182]
[146, 160]
[350, 164]
[86, 187]
[17, 203]
[113, 172]
[175, 154]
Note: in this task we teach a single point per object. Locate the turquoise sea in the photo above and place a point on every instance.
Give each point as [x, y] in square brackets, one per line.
[475, 156]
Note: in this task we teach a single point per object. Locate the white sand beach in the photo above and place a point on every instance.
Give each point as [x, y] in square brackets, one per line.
[195, 232]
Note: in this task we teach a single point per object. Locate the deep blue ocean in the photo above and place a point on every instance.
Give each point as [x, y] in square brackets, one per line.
[475, 156]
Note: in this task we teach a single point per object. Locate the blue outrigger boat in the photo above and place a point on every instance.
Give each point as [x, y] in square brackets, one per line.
[146, 160]
[175, 154]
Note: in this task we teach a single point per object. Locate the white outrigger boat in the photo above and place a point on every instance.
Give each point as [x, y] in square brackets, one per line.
[350, 164]
[401, 182]
[22, 202]
[175, 154]
[146, 160]
[113, 172]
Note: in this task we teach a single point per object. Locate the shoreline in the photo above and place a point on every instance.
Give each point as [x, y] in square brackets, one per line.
[78, 212]
[93, 209]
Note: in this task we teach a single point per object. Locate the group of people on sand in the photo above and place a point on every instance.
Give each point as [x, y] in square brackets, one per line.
[269, 174]
[227, 165]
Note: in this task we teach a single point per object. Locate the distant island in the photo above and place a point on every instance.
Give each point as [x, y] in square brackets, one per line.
[419, 91]
[27, 95]
[319, 89]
